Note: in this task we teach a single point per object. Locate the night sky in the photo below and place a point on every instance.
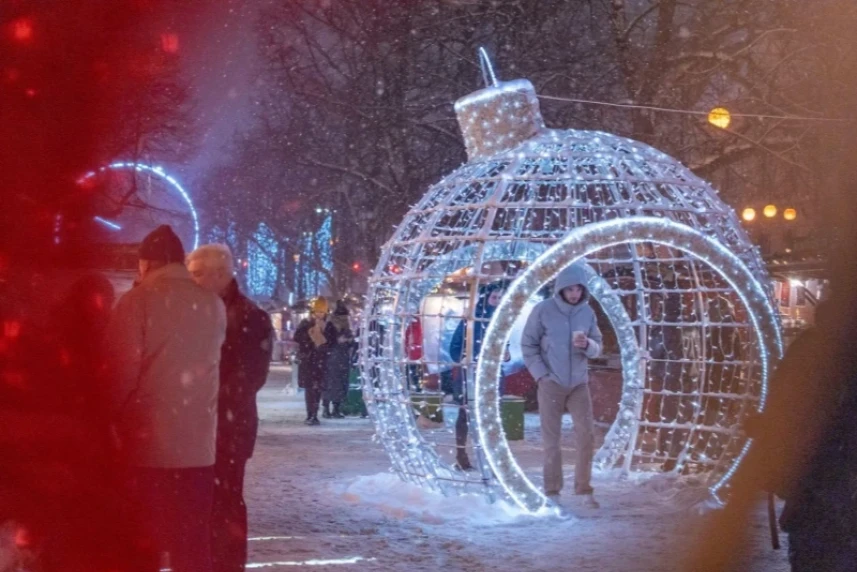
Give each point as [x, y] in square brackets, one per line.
[218, 61]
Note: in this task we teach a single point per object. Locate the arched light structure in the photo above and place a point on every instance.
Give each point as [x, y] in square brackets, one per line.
[673, 272]
[160, 173]
[585, 241]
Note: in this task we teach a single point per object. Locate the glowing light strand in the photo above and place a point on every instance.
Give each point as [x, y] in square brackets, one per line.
[582, 242]
[158, 171]
[109, 224]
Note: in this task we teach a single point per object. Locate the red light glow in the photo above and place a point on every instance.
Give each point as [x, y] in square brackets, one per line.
[170, 43]
[14, 379]
[22, 29]
[11, 329]
[22, 537]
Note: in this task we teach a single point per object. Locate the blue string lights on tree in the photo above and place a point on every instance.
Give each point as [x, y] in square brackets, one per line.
[316, 253]
[264, 261]
[673, 273]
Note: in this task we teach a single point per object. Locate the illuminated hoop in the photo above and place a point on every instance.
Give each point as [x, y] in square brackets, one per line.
[581, 242]
[394, 417]
[155, 170]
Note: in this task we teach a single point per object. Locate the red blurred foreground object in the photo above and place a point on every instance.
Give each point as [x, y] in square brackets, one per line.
[22, 537]
[170, 43]
[11, 328]
[22, 29]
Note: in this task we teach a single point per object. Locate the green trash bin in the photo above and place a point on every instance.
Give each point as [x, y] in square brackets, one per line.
[354, 398]
[354, 402]
[512, 415]
[428, 404]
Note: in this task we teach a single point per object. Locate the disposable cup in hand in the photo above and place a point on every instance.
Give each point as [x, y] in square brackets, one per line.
[578, 335]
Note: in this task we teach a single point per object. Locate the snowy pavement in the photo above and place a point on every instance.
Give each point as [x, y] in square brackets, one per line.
[322, 497]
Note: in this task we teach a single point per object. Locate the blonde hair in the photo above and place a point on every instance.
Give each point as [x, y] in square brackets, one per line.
[213, 256]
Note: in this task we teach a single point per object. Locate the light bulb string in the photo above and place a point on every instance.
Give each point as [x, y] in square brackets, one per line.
[692, 111]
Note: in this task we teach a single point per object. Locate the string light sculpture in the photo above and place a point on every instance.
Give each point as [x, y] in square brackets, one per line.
[671, 270]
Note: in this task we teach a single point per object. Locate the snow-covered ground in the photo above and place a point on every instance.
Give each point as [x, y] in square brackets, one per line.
[323, 497]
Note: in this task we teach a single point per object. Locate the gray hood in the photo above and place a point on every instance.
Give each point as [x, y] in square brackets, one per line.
[570, 276]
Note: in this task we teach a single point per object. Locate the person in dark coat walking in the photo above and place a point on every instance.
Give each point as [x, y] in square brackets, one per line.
[340, 347]
[489, 298]
[312, 355]
[244, 362]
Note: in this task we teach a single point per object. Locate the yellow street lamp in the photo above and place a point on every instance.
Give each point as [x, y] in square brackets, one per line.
[790, 214]
[748, 214]
[770, 211]
[720, 117]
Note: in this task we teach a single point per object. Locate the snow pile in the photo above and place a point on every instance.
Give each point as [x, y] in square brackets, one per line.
[396, 498]
[650, 491]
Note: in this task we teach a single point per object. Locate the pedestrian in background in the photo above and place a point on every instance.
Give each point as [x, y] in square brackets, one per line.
[340, 348]
[312, 355]
[489, 297]
[244, 362]
[164, 342]
[414, 350]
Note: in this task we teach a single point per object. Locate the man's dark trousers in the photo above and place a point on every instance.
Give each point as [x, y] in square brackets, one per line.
[229, 516]
[312, 396]
[173, 512]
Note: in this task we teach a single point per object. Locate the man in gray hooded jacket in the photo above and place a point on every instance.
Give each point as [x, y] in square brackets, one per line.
[560, 336]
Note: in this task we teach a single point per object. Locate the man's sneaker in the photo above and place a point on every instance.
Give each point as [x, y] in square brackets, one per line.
[588, 501]
[314, 421]
[553, 496]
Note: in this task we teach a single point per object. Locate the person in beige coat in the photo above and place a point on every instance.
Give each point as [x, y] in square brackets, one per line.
[164, 344]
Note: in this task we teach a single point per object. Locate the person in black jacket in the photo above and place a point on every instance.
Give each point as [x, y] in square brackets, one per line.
[244, 362]
[340, 347]
[312, 355]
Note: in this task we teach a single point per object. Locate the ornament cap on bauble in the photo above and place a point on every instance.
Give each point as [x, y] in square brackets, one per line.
[499, 117]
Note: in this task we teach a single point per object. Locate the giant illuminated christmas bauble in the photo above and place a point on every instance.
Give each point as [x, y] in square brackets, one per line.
[682, 294]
